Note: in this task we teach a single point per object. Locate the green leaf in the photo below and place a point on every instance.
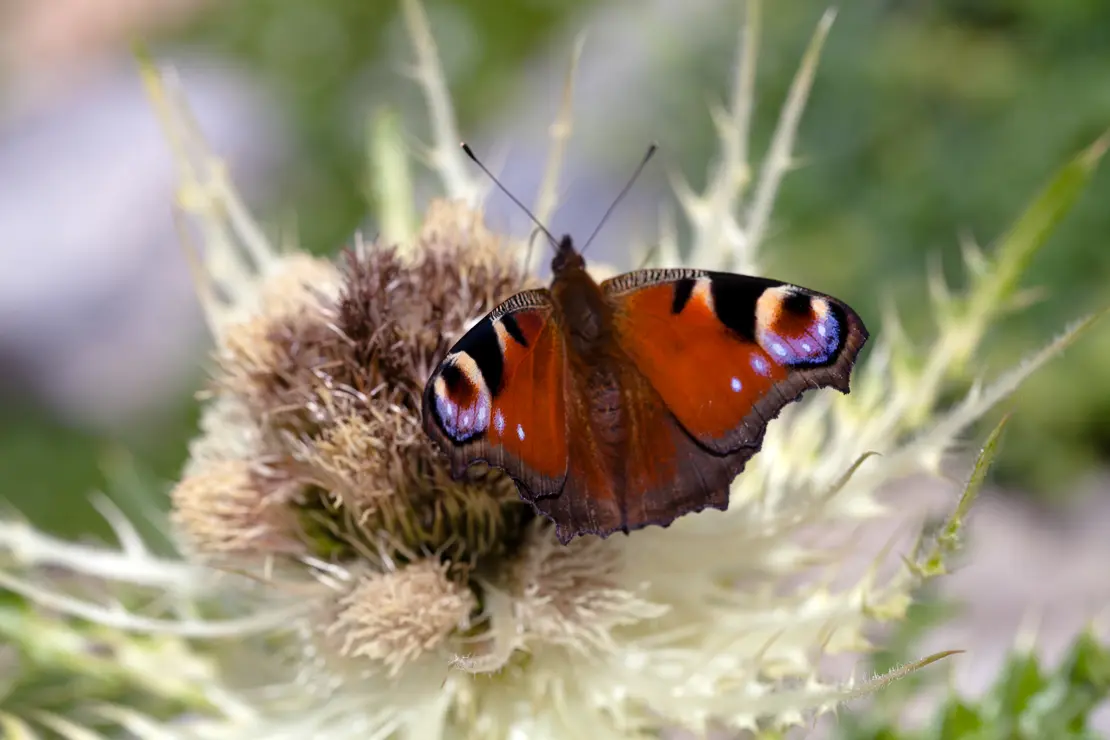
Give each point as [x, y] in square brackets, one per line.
[1026, 703]
[1088, 664]
[389, 181]
[1016, 249]
[1018, 683]
[1079, 685]
[930, 563]
[13, 728]
[958, 720]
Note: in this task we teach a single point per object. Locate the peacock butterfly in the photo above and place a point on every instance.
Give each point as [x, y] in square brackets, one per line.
[637, 400]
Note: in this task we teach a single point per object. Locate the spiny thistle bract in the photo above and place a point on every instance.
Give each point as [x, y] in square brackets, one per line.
[336, 582]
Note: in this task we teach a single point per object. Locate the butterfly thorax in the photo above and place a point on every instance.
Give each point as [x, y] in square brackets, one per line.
[585, 316]
[583, 313]
[582, 310]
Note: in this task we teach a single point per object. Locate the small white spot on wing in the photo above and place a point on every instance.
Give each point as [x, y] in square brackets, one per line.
[520, 432]
[736, 384]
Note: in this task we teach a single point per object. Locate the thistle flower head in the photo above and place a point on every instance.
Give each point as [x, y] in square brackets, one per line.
[374, 596]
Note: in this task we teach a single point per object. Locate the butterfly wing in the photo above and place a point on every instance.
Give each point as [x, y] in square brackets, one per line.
[654, 473]
[499, 396]
[709, 360]
[727, 352]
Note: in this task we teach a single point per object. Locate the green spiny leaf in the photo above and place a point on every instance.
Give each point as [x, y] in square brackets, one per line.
[958, 720]
[1019, 682]
[1080, 684]
[1026, 702]
[1016, 249]
[945, 543]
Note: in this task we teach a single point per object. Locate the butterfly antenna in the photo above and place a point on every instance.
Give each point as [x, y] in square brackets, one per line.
[620, 196]
[470, 153]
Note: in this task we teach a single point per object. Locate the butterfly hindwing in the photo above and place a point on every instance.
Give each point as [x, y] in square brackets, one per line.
[661, 472]
[727, 352]
[499, 395]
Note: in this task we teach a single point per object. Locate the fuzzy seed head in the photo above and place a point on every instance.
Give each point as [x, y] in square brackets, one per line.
[231, 508]
[573, 595]
[398, 616]
[301, 282]
[332, 378]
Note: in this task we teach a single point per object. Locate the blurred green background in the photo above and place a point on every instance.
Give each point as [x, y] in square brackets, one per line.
[928, 120]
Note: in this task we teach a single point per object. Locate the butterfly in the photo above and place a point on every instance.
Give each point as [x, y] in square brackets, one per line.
[637, 400]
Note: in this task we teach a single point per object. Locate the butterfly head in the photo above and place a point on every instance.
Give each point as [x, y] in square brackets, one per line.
[567, 258]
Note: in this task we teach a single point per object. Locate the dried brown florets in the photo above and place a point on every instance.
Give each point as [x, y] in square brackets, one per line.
[303, 282]
[262, 356]
[333, 379]
[233, 508]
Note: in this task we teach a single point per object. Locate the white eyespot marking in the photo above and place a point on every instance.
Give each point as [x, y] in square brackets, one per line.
[703, 293]
[469, 368]
[759, 364]
[499, 421]
[736, 385]
[503, 335]
[462, 407]
[806, 333]
[820, 307]
[520, 432]
[768, 307]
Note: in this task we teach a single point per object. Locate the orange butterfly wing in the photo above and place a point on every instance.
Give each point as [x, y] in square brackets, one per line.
[727, 352]
[499, 396]
[703, 362]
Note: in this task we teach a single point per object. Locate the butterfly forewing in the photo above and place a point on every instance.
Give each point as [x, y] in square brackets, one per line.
[727, 352]
[498, 395]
